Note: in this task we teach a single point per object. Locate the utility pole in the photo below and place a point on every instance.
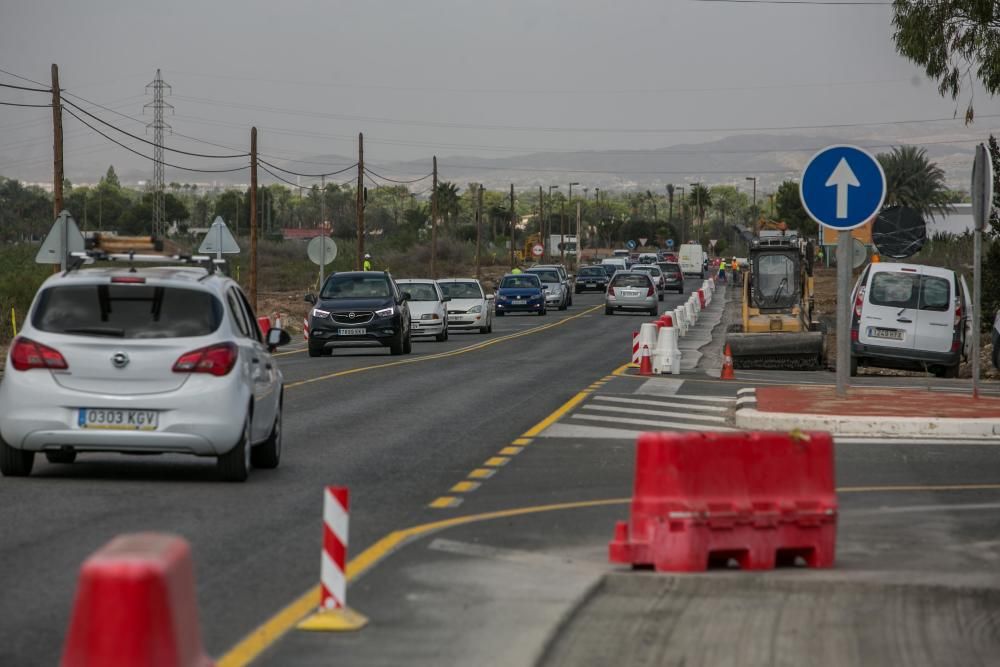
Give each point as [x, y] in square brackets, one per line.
[562, 233]
[322, 202]
[562, 253]
[479, 225]
[434, 217]
[756, 218]
[360, 201]
[579, 238]
[158, 105]
[545, 238]
[253, 218]
[57, 145]
[541, 218]
[512, 215]
[597, 209]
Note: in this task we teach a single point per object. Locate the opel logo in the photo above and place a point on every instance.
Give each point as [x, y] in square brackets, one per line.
[351, 315]
[119, 360]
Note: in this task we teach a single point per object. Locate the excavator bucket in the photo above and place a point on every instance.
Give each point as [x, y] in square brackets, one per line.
[777, 351]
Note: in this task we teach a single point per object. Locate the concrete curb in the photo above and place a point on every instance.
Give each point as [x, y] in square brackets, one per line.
[749, 417]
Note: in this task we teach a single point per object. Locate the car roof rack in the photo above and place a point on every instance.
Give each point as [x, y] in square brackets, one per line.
[87, 257]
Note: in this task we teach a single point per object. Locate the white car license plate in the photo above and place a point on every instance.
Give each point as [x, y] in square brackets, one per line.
[121, 420]
[630, 293]
[888, 334]
[352, 332]
[591, 284]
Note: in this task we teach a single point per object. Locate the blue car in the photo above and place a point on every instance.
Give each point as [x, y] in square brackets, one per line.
[520, 292]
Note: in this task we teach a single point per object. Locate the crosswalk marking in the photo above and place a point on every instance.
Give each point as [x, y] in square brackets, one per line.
[664, 404]
[675, 426]
[655, 413]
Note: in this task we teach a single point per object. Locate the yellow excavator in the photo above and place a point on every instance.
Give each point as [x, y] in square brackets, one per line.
[778, 328]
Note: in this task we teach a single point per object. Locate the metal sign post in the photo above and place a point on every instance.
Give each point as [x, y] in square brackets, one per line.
[843, 187]
[982, 203]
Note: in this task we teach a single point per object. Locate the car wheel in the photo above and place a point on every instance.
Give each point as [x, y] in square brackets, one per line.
[654, 312]
[316, 351]
[660, 296]
[408, 344]
[268, 453]
[996, 356]
[577, 291]
[15, 462]
[570, 302]
[443, 336]
[563, 306]
[396, 346]
[61, 456]
[949, 371]
[854, 366]
[609, 311]
[500, 313]
[542, 311]
[234, 465]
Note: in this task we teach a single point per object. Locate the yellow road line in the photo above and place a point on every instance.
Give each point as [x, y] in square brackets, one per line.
[481, 473]
[557, 415]
[521, 442]
[465, 487]
[446, 501]
[271, 630]
[511, 451]
[496, 461]
[443, 355]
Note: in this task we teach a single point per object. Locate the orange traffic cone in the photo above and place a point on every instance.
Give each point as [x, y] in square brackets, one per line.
[646, 363]
[727, 365]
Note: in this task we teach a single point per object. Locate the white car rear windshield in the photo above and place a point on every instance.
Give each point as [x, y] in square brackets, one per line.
[631, 280]
[420, 291]
[910, 290]
[127, 311]
[462, 290]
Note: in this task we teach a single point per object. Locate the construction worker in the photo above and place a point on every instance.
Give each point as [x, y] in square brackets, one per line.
[734, 267]
[367, 266]
[722, 270]
[516, 270]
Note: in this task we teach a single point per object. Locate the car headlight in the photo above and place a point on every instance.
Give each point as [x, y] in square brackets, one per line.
[430, 316]
[317, 312]
[476, 309]
[385, 312]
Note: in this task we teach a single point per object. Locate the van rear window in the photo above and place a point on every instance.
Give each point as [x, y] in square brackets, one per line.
[127, 311]
[910, 290]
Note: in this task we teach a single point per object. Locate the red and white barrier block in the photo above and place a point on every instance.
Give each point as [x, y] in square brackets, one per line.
[635, 348]
[333, 613]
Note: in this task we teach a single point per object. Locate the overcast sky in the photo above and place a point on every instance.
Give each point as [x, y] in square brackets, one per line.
[456, 77]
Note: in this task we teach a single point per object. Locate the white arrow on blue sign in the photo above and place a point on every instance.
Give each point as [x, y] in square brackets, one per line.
[842, 187]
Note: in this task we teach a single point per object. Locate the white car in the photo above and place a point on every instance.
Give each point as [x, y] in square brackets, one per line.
[142, 361]
[556, 294]
[428, 312]
[469, 307]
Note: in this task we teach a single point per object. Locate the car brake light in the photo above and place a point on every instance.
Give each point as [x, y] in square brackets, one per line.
[649, 291]
[217, 360]
[958, 314]
[26, 354]
[854, 335]
[128, 280]
[859, 301]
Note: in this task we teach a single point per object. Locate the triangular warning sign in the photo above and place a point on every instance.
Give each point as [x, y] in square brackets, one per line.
[219, 240]
[50, 252]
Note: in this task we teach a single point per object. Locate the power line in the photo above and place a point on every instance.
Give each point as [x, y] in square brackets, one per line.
[151, 143]
[143, 155]
[33, 90]
[295, 173]
[798, 2]
[392, 180]
[18, 104]
[24, 78]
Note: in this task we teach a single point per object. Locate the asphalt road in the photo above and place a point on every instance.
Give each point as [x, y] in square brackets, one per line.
[398, 431]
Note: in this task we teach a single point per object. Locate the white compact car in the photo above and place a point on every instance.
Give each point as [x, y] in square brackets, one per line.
[469, 308]
[428, 312]
[142, 361]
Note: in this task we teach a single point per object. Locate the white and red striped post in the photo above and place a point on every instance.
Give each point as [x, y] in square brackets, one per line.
[333, 568]
[635, 348]
[305, 328]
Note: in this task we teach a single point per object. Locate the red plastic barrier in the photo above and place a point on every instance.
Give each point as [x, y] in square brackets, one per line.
[701, 298]
[759, 498]
[265, 325]
[135, 606]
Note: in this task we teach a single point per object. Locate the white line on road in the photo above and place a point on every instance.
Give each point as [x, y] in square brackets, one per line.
[921, 509]
[577, 431]
[663, 404]
[676, 426]
[654, 413]
[975, 442]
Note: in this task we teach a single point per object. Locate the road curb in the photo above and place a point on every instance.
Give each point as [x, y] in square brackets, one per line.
[749, 417]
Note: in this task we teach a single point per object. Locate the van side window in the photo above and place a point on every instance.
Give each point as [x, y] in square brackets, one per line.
[895, 290]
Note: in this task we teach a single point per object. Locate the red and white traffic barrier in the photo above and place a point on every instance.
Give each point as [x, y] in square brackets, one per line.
[333, 613]
[305, 328]
[635, 348]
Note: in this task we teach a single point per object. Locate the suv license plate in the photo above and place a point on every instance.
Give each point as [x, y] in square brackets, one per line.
[591, 284]
[888, 334]
[352, 332]
[118, 420]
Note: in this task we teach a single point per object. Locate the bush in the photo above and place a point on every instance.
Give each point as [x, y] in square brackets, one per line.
[20, 278]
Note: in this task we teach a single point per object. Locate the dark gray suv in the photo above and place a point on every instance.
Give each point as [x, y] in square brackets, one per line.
[359, 309]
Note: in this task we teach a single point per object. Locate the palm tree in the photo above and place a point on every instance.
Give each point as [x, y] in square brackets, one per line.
[912, 180]
[670, 202]
[448, 201]
[700, 197]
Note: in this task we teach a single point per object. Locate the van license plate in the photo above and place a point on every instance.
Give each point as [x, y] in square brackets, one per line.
[887, 334]
[118, 420]
[351, 332]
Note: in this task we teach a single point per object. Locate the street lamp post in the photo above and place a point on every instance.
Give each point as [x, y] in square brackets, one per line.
[696, 188]
[755, 216]
[597, 211]
[683, 190]
[562, 229]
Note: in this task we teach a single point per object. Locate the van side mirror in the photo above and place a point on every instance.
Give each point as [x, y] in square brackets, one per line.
[310, 298]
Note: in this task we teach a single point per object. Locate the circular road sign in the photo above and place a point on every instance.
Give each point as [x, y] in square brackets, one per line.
[670, 243]
[630, 244]
[537, 250]
[322, 250]
[842, 187]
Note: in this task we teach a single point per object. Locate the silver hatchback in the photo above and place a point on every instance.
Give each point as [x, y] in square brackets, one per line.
[142, 361]
[631, 290]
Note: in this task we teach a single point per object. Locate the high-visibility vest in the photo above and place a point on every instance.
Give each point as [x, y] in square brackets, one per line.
[368, 265]
[722, 266]
[515, 270]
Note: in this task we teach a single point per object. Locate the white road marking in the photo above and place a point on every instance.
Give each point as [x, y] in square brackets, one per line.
[663, 404]
[655, 413]
[665, 425]
[921, 509]
[665, 387]
[577, 431]
[951, 442]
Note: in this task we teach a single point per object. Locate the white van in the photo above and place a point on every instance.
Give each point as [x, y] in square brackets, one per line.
[911, 317]
[692, 260]
[617, 263]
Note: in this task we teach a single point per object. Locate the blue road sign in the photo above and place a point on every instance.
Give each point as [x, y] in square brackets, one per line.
[630, 244]
[842, 187]
[670, 243]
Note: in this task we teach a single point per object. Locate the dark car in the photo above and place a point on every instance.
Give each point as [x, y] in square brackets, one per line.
[359, 309]
[520, 292]
[589, 278]
[673, 277]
